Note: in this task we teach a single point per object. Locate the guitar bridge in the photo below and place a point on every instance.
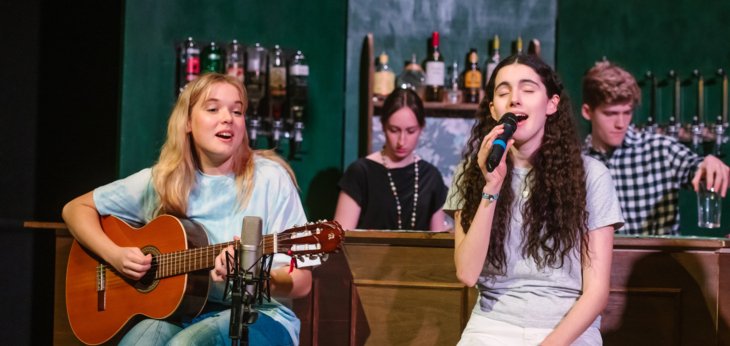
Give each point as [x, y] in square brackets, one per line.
[100, 287]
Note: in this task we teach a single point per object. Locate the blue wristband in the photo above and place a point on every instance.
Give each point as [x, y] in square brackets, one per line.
[490, 197]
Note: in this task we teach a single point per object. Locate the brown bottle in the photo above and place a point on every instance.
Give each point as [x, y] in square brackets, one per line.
[472, 77]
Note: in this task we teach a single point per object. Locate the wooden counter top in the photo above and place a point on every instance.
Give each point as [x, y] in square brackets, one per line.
[446, 239]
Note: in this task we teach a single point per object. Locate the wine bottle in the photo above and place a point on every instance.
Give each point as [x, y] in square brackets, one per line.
[492, 60]
[383, 79]
[472, 77]
[435, 71]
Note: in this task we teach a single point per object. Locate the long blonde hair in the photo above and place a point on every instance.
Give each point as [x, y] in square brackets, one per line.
[173, 176]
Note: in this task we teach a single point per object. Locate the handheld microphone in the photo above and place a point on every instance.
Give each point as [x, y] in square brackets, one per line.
[250, 249]
[500, 143]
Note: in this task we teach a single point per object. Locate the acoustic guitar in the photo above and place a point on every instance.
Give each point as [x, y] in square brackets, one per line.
[101, 302]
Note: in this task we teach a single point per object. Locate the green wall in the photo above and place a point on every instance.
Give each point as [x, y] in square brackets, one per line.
[648, 35]
[151, 29]
[402, 27]
[656, 35]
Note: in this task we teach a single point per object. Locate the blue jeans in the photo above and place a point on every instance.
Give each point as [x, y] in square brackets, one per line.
[208, 329]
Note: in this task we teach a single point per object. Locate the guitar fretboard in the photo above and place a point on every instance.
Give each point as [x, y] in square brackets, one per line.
[181, 262]
[301, 240]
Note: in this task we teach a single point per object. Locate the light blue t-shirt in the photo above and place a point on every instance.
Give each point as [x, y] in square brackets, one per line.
[213, 202]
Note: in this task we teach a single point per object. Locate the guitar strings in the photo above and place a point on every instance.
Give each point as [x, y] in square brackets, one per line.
[174, 263]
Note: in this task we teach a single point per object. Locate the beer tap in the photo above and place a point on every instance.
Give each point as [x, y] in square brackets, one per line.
[651, 120]
[698, 124]
[720, 125]
[674, 124]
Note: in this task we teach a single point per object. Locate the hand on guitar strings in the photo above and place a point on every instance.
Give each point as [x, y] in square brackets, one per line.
[221, 270]
[131, 262]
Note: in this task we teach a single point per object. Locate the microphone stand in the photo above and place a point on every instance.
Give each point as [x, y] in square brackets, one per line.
[243, 311]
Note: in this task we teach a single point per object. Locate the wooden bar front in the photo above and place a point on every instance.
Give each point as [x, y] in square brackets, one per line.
[400, 288]
[664, 291]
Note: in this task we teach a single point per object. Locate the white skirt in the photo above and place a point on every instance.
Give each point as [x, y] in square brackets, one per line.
[482, 330]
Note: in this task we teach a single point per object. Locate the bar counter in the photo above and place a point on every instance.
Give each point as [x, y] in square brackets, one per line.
[664, 290]
[400, 288]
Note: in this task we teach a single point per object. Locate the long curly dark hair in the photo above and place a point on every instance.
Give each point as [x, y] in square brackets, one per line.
[554, 214]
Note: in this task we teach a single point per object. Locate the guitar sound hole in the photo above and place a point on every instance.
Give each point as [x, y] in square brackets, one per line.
[149, 281]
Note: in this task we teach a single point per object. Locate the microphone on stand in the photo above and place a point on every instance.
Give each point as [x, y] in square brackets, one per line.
[250, 249]
[244, 289]
[499, 145]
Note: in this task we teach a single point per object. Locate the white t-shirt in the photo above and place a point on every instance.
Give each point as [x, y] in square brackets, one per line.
[539, 298]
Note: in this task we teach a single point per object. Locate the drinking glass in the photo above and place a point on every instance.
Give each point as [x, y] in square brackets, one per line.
[709, 207]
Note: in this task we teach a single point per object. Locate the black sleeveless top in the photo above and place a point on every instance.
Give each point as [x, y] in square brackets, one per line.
[366, 181]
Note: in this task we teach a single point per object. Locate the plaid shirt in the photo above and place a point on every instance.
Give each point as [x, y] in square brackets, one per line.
[648, 170]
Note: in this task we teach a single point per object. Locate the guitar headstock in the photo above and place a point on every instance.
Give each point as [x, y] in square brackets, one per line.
[315, 239]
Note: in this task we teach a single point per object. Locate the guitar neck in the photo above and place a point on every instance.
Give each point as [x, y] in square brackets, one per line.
[182, 262]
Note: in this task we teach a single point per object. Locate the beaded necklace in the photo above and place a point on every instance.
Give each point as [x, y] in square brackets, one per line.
[395, 191]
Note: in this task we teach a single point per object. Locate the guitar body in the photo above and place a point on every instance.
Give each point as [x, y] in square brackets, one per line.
[101, 302]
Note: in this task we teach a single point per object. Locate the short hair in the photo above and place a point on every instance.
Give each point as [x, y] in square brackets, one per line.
[607, 83]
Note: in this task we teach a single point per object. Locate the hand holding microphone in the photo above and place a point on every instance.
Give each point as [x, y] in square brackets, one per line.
[499, 145]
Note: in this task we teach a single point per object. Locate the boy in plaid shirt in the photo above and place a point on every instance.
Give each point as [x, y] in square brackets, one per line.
[648, 169]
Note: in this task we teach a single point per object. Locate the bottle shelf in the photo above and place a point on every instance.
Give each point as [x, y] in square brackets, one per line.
[440, 109]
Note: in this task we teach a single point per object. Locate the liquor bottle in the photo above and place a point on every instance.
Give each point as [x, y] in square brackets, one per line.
[277, 81]
[435, 71]
[472, 77]
[412, 77]
[212, 59]
[534, 47]
[492, 60]
[517, 45]
[188, 64]
[234, 61]
[255, 75]
[298, 85]
[383, 79]
[453, 92]
[297, 92]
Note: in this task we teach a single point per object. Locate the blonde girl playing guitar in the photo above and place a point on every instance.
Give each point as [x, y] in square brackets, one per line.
[207, 173]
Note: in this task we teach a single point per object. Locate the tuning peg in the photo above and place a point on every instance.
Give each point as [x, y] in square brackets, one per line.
[323, 257]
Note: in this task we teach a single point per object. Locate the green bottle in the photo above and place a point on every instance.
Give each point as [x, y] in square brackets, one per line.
[212, 59]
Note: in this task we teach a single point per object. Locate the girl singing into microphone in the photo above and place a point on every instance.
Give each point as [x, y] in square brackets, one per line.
[535, 235]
